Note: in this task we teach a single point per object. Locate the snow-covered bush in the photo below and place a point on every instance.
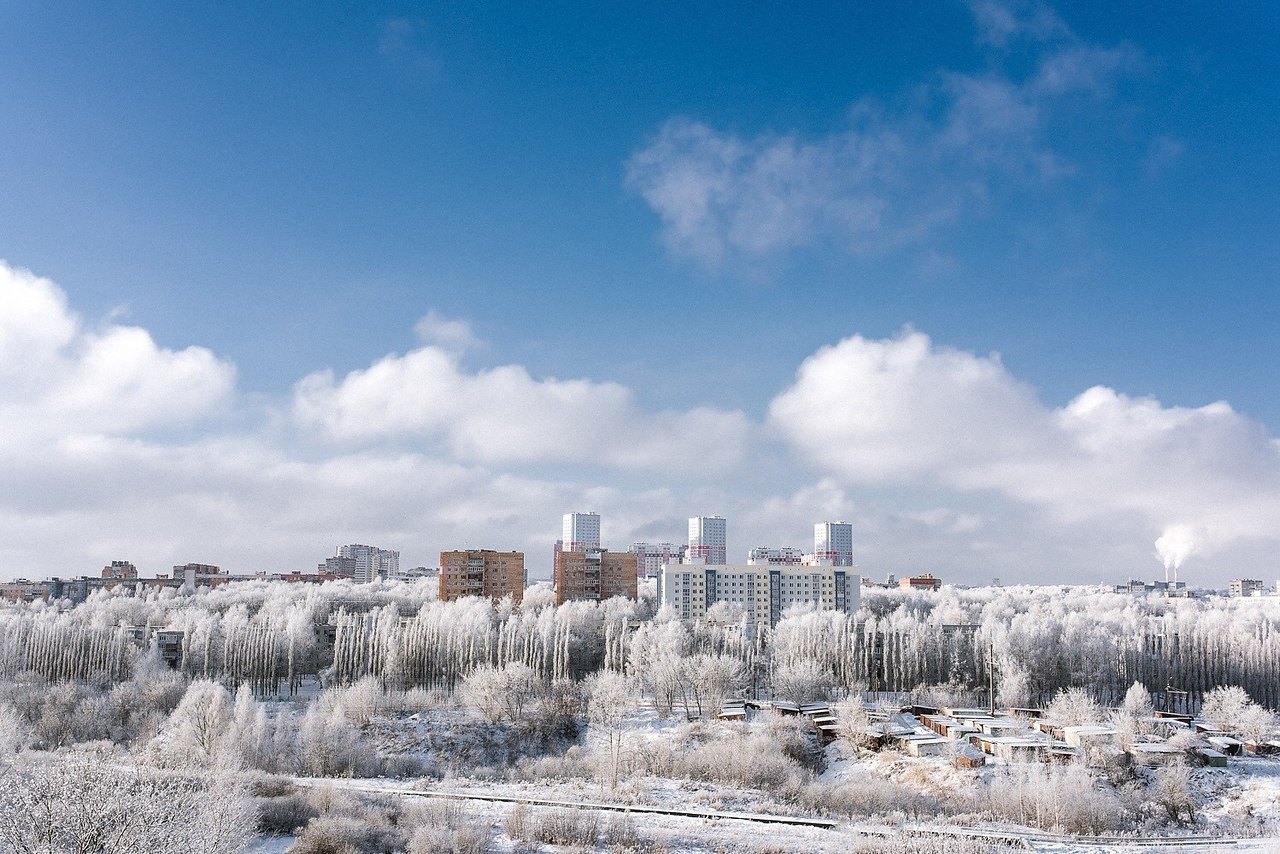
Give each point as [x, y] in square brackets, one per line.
[443, 827]
[868, 797]
[1074, 706]
[1061, 798]
[61, 805]
[571, 827]
[1172, 791]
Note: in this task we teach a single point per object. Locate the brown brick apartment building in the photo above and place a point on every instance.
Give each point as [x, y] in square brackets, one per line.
[595, 575]
[481, 572]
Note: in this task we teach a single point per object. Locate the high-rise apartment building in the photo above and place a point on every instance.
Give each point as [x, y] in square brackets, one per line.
[833, 542]
[580, 531]
[482, 572]
[342, 567]
[707, 539]
[650, 557]
[762, 591]
[761, 556]
[371, 562]
[595, 575]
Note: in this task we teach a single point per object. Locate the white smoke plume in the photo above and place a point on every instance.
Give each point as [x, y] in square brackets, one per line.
[1175, 545]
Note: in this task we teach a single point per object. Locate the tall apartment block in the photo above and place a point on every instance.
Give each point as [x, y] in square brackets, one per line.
[833, 542]
[482, 572]
[650, 557]
[707, 539]
[371, 562]
[580, 531]
[763, 591]
[595, 575]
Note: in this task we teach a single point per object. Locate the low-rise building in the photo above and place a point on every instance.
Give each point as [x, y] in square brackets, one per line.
[1244, 587]
[925, 581]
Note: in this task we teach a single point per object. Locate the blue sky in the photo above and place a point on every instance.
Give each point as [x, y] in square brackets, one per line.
[685, 200]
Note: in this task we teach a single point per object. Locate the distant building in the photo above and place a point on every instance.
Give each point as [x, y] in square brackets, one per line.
[1172, 589]
[921, 582]
[1245, 587]
[417, 573]
[833, 541]
[119, 569]
[23, 590]
[371, 562]
[580, 531]
[595, 575]
[482, 572]
[762, 556]
[200, 568]
[707, 540]
[762, 591]
[651, 556]
[338, 567]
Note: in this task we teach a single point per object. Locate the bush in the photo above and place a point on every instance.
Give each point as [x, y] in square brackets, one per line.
[1065, 799]
[284, 815]
[568, 827]
[340, 834]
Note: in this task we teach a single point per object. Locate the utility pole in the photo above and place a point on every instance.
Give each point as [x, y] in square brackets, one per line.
[991, 676]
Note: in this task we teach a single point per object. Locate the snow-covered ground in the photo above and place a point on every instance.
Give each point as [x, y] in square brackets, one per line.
[1248, 790]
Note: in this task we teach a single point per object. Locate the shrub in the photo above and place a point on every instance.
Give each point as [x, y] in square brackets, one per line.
[283, 815]
[568, 827]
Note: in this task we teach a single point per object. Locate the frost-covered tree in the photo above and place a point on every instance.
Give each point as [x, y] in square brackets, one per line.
[198, 731]
[1074, 706]
[801, 682]
[611, 698]
[1173, 792]
[1231, 708]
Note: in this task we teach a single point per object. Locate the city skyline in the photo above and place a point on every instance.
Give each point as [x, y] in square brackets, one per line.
[993, 282]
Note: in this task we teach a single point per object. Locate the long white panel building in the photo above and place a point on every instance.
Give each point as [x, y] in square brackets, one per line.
[763, 591]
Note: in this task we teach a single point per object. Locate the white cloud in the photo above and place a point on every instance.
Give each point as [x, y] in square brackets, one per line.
[504, 416]
[448, 334]
[941, 458]
[56, 376]
[891, 176]
[904, 411]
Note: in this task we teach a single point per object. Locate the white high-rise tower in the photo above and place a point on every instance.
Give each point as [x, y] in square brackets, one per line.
[581, 531]
[707, 539]
[833, 541]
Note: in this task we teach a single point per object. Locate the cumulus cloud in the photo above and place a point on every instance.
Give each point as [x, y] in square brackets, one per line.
[58, 376]
[887, 412]
[503, 415]
[942, 459]
[892, 175]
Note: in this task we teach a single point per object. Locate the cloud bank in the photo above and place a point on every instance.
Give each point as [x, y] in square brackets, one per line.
[112, 446]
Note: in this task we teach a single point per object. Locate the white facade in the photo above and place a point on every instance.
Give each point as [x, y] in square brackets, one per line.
[371, 562]
[833, 541]
[707, 539]
[650, 557]
[775, 557]
[763, 591]
[580, 532]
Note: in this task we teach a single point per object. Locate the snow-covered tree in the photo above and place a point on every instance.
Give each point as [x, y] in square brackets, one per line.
[611, 698]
